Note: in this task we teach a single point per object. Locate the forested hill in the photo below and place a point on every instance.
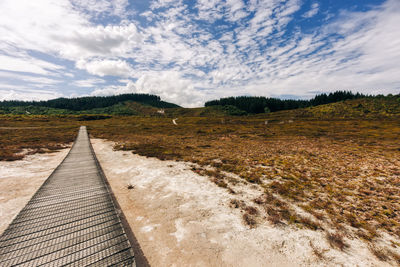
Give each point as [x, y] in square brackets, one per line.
[257, 105]
[150, 105]
[92, 102]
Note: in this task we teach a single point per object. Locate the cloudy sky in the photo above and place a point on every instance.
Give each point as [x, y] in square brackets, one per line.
[189, 52]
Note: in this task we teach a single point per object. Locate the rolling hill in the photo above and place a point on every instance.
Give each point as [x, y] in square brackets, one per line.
[153, 106]
[384, 107]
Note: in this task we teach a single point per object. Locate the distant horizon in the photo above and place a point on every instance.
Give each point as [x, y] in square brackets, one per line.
[191, 52]
[305, 99]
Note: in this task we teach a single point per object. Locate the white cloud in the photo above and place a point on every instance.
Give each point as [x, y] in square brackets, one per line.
[163, 3]
[209, 10]
[179, 58]
[13, 92]
[119, 7]
[60, 28]
[235, 10]
[312, 12]
[47, 19]
[112, 40]
[96, 7]
[364, 59]
[27, 64]
[169, 85]
[88, 82]
[106, 67]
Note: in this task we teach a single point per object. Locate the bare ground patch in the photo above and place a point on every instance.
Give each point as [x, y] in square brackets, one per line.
[183, 218]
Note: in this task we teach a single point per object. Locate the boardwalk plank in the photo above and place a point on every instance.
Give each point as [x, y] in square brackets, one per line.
[70, 221]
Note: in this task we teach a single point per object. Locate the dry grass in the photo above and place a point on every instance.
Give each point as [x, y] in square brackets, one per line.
[395, 256]
[319, 253]
[336, 240]
[384, 254]
[249, 220]
[23, 135]
[249, 212]
[380, 253]
[345, 173]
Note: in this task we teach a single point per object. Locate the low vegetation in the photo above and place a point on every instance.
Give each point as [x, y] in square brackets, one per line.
[24, 135]
[342, 173]
[332, 168]
[336, 240]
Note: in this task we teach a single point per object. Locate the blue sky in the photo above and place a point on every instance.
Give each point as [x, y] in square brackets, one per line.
[189, 52]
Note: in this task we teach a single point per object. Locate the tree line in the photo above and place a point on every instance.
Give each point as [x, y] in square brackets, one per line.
[260, 104]
[91, 102]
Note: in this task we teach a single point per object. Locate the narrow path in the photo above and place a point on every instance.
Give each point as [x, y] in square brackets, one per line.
[71, 220]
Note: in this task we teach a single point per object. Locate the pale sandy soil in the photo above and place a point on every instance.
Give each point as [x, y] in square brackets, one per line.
[183, 219]
[20, 179]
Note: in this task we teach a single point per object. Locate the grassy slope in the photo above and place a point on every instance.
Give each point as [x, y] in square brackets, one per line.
[386, 107]
[365, 108]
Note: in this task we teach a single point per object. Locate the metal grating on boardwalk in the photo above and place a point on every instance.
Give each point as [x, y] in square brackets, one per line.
[70, 221]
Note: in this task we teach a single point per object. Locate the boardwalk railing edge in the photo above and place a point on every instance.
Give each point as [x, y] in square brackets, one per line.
[140, 258]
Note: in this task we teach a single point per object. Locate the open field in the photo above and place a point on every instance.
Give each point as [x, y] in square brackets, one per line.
[343, 172]
[337, 176]
[22, 135]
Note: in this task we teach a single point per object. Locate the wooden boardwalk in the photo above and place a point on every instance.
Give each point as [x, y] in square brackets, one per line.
[71, 220]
